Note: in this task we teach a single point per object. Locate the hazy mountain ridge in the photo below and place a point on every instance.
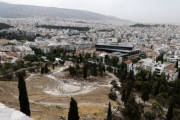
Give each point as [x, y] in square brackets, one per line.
[23, 11]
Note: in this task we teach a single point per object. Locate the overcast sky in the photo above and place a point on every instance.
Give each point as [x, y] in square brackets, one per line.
[151, 11]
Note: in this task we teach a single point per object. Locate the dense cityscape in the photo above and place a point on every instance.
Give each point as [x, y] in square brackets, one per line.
[73, 69]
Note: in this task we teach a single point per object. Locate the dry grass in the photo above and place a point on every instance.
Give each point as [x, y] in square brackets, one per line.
[93, 104]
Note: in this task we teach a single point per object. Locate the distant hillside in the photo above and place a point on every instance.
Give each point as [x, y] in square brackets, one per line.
[146, 25]
[23, 11]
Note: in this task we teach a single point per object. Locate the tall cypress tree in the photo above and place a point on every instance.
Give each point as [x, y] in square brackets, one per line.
[94, 70]
[73, 110]
[176, 65]
[85, 70]
[42, 70]
[169, 114]
[127, 87]
[178, 73]
[46, 70]
[132, 109]
[23, 97]
[109, 115]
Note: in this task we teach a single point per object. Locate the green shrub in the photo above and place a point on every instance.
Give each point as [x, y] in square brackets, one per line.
[112, 96]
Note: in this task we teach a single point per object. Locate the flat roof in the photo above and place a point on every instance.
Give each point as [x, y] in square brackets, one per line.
[113, 45]
[118, 54]
[126, 51]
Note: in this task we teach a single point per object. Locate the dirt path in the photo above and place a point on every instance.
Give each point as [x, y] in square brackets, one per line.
[92, 97]
[70, 87]
[66, 105]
